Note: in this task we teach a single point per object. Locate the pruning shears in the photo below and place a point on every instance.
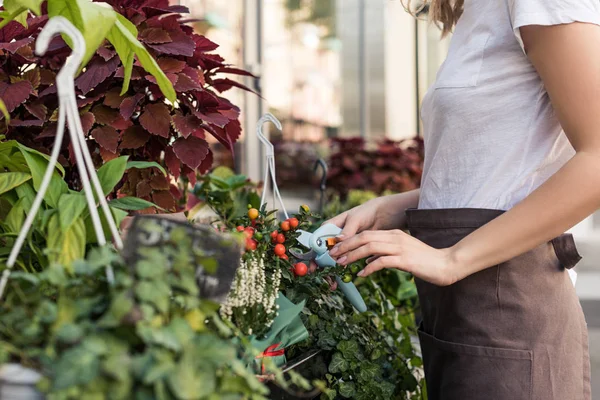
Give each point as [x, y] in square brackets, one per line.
[319, 252]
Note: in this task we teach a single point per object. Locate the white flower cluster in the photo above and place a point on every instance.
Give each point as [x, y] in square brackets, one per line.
[250, 304]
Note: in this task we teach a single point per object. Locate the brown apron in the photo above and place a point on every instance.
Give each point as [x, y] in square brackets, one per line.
[515, 331]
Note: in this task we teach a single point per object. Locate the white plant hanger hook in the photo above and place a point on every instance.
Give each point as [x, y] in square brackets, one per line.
[67, 111]
[270, 161]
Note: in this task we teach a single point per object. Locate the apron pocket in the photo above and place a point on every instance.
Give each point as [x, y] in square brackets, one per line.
[455, 371]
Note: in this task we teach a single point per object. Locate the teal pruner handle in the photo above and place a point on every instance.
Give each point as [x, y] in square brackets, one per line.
[349, 290]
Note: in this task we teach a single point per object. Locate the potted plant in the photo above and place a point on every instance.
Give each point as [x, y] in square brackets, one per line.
[142, 59]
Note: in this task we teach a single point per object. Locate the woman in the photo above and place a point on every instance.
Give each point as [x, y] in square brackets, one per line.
[512, 160]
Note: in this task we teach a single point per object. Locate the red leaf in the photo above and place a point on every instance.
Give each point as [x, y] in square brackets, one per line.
[204, 45]
[182, 45]
[47, 77]
[156, 119]
[237, 71]
[107, 137]
[15, 94]
[129, 104]
[82, 102]
[172, 78]
[206, 163]
[155, 36]
[107, 155]
[143, 189]
[199, 133]
[97, 71]
[33, 76]
[234, 130]
[224, 84]
[113, 98]
[185, 124]
[196, 74]
[87, 121]
[28, 122]
[191, 175]
[214, 118]
[134, 137]
[168, 64]
[104, 115]
[175, 192]
[105, 53]
[221, 135]
[191, 151]
[159, 182]
[48, 132]
[38, 110]
[172, 162]
[121, 124]
[185, 84]
[164, 199]
[136, 73]
[12, 47]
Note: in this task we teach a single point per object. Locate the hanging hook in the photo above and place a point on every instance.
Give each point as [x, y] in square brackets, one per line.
[269, 161]
[323, 186]
[268, 117]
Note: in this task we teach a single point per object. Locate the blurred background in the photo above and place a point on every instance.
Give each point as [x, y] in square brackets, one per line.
[346, 78]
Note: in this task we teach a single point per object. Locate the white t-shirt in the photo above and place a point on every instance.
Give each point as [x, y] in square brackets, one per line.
[491, 136]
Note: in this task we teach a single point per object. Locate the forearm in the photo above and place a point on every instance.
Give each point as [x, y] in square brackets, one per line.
[569, 196]
[391, 209]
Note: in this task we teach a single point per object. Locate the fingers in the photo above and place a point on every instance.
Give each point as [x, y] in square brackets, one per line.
[350, 243]
[369, 249]
[338, 220]
[381, 263]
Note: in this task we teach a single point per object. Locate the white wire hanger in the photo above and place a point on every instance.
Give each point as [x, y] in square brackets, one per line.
[67, 111]
[269, 161]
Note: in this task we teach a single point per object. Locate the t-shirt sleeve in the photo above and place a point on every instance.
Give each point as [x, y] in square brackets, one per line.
[551, 12]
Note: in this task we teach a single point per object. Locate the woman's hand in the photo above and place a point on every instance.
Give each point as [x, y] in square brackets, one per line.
[396, 249]
[382, 213]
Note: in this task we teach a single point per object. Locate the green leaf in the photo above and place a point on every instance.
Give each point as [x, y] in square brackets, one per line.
[77, 366]
[33, 5]
[26, 193]
[338, 363]
[111, 173]
[68, 246]
[349, 348]
[70, 207]
[94, 20]
[347, 389]
[190, 380]
[154, 292]
[15, 217]
[131, 204]
[123, 36]
[146, 164]
[37, 165]
[3, 108]
[10, 180]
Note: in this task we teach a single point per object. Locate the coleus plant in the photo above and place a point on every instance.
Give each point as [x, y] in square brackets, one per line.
[390, 167]
[126, 107]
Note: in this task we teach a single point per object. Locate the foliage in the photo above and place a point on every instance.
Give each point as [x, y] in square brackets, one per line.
[125, 104]
[318, 12]
[63, 227]
[391, 167]
[366, 355]
[149, 336]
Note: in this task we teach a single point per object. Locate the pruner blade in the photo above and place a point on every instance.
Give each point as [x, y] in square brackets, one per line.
[310, 255]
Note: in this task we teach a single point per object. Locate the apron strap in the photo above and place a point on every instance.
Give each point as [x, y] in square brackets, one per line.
[566, 251]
